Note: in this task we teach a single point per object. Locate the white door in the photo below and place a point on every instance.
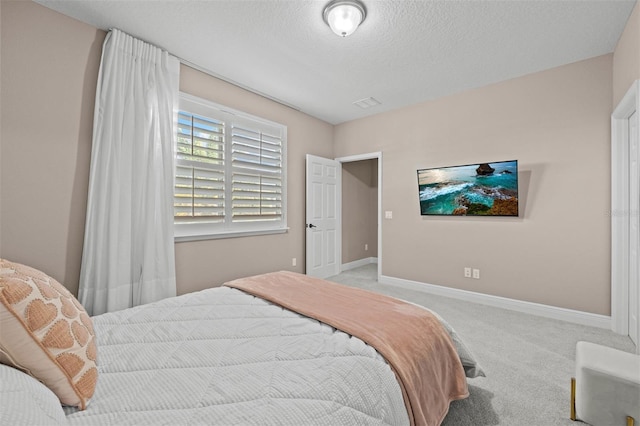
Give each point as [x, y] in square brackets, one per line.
[634, 228]
[625, 216]
[323, 217]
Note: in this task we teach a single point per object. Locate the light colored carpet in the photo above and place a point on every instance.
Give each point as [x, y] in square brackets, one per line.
[529, 360]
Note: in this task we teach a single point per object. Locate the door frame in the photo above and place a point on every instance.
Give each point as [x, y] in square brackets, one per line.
[360, 157]
[629, 104]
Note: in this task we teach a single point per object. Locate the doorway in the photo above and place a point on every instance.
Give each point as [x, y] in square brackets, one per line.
[366, 166]
[359, 213]
[324, 213]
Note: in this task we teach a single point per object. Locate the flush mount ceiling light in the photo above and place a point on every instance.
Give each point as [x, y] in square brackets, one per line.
[344, 16]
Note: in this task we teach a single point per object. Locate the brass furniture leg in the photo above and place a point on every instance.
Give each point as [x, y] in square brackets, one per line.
[630, 421]
[573, 400]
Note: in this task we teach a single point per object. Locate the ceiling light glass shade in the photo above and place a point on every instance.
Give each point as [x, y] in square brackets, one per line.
[344, 16]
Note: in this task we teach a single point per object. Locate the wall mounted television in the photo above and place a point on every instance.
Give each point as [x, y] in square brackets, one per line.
[483, 189]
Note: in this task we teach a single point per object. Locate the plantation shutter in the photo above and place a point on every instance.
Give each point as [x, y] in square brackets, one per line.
[256, 177]
[230, 175]
[200, 182]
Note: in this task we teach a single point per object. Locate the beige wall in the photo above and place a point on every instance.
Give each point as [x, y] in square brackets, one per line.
[556, 123]
[626, 58]
[359, 210]
[49, 71]
[200, 264]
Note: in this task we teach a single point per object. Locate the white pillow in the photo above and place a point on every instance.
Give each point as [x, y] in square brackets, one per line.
[471, 367]
[469, 363]
[26, 401]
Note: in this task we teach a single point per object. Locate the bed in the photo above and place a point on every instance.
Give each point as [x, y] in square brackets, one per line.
[225, 356]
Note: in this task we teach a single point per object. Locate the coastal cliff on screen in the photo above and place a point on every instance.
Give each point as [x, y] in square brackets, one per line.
[485, 189]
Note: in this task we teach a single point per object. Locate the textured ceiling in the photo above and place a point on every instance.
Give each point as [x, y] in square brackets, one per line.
[404, 53]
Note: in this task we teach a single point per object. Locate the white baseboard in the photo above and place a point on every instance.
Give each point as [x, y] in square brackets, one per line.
[547, 311]
[358, 263]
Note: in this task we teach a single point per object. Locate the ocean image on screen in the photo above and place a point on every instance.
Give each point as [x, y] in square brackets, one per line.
[485, 189]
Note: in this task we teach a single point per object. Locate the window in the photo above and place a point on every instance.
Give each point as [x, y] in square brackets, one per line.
[230, 175]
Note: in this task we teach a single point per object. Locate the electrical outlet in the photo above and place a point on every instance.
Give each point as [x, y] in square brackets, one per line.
[467, 272]
[294, 261]
[476, 274]
[366, 247]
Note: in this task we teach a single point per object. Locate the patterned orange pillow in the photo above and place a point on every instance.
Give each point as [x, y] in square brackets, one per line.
[46, 332]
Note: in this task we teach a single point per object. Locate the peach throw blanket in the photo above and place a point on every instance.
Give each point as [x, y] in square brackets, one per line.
[411, 339]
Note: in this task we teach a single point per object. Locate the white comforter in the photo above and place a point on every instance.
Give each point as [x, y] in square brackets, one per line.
[223, 357]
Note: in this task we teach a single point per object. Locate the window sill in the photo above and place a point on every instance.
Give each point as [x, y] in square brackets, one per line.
[232, 234]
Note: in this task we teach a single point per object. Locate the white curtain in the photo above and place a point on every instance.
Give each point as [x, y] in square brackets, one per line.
[128, 257]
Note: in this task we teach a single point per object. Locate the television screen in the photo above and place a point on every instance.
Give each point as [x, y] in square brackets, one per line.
[485, 189]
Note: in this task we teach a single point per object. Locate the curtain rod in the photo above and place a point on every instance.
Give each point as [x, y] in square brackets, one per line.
[235, 83]
[219, 77]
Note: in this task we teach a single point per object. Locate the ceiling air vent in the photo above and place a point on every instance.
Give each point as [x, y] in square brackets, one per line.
[366, 103]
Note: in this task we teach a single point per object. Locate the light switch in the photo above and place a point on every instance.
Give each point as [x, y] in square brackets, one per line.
[388, 214]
